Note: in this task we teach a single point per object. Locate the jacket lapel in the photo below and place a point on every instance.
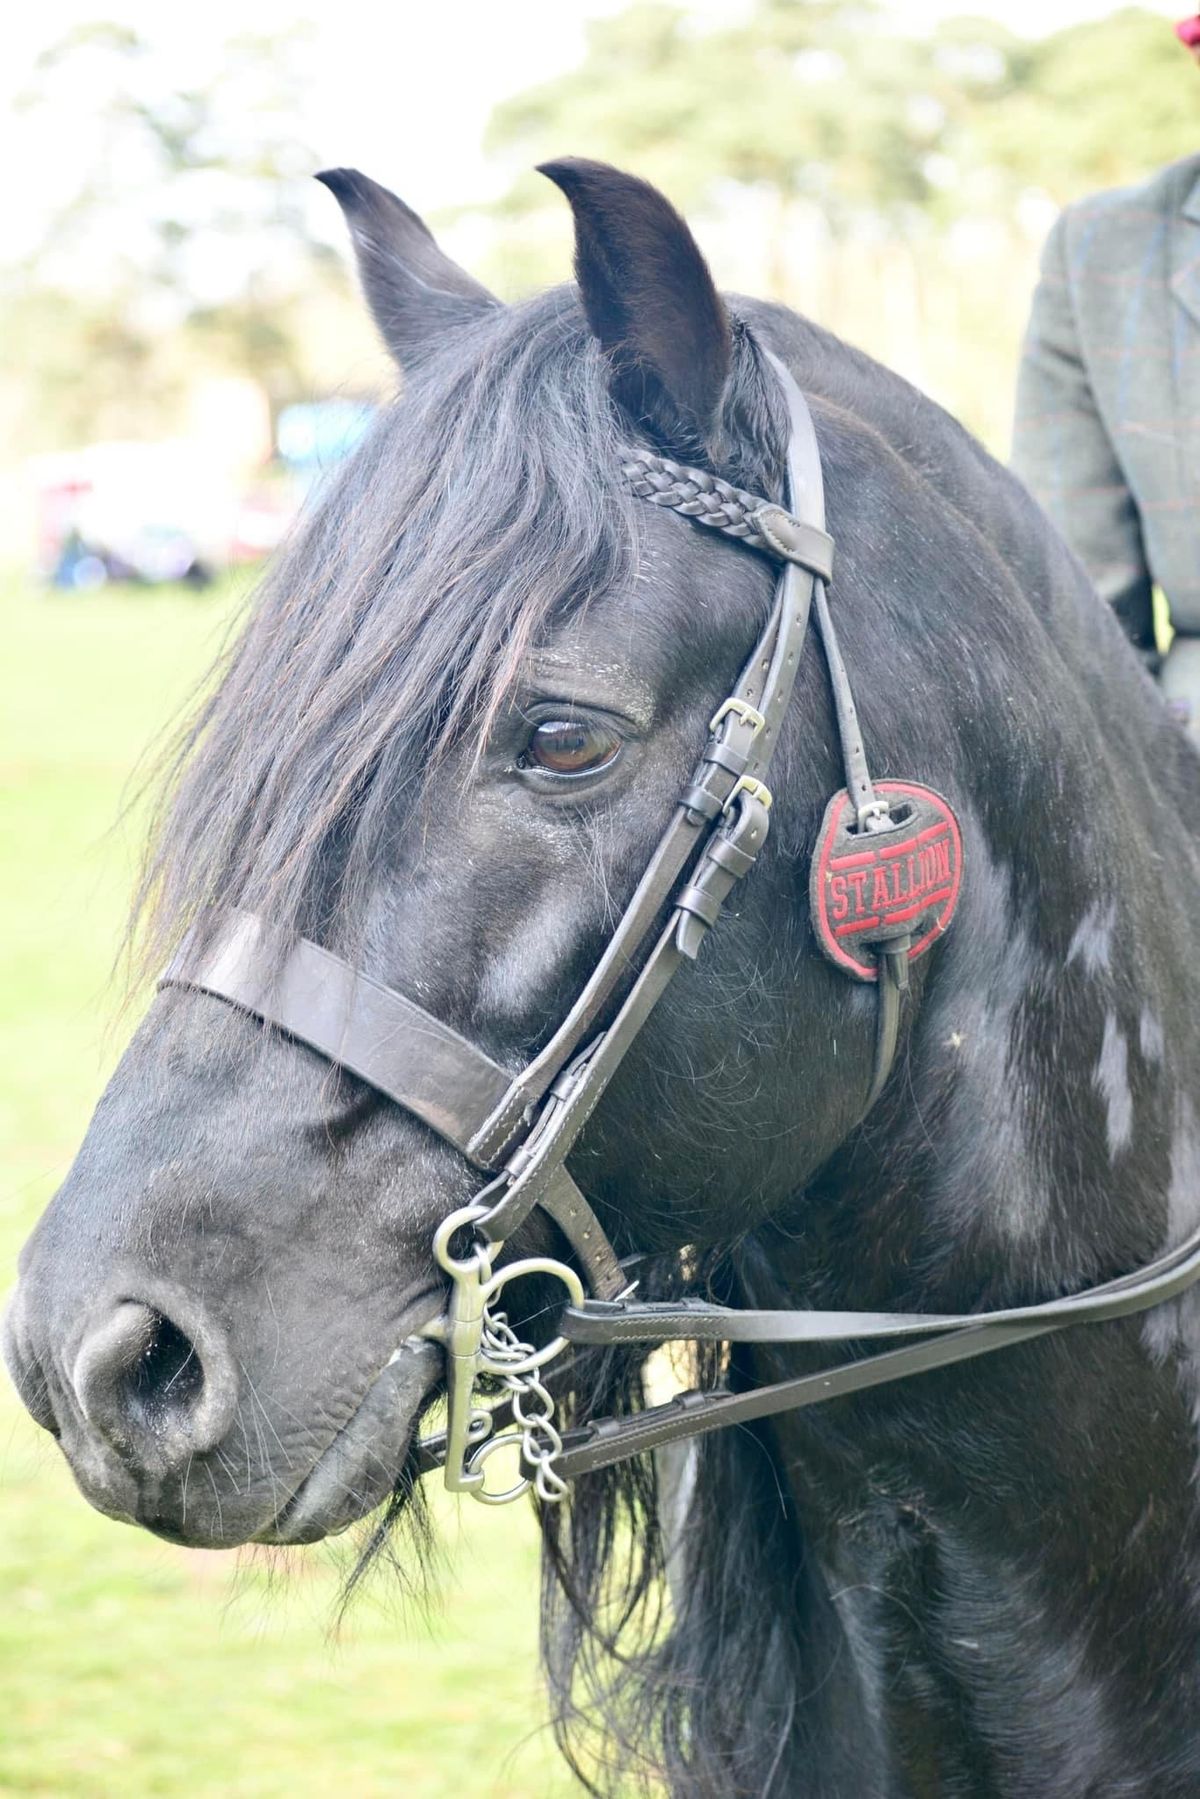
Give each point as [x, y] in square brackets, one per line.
[1174, 530]
[1185, 254]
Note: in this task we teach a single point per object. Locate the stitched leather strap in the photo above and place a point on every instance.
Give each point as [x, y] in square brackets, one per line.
[609, 1440]
[694, 1320]
[578, 1223]
[957, 1338]
[375, 1032]
[383, 1038]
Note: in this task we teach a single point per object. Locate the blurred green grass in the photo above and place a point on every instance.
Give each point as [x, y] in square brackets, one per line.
[126, 1666]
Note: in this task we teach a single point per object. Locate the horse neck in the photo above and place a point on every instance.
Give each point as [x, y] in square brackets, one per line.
[1016, 1542]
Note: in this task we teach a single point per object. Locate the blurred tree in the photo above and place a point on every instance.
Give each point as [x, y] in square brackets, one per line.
[1098, 106]
[183, 246]
[894, 187]
[824, 99]
[803, 96]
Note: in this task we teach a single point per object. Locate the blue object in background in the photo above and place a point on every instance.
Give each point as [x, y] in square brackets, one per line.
[314, 436]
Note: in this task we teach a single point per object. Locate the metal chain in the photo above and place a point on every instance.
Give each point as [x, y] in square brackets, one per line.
[478, 1339]
[532, 1407]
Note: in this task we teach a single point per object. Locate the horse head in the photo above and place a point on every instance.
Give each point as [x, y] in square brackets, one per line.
[448, 744]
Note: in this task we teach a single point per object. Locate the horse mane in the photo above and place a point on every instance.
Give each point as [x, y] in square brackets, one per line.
[676, 1657]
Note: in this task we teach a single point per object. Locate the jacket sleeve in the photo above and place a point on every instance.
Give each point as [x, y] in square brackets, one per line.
[1064, 455]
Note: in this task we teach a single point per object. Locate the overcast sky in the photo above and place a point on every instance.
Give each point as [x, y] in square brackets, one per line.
[403, 91]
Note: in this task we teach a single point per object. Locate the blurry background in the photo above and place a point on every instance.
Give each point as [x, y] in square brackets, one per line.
[182, 357]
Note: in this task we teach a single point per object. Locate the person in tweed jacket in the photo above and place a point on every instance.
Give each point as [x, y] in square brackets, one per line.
[1107, 432]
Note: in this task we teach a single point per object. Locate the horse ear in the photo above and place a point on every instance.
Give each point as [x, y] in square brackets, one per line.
[650, 299]
[415, 293]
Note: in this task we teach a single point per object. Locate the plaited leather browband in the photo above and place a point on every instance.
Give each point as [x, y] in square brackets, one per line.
[886, 877]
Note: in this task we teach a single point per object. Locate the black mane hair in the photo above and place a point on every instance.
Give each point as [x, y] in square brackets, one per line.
[688, 1683]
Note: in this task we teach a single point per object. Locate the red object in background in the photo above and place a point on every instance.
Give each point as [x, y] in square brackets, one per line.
[263, 519]
[56, 511]
[1188, 31]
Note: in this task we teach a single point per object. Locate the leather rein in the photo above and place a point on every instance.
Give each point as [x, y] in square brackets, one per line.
[885, 880]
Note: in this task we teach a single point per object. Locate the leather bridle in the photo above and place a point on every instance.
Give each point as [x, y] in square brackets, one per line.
[521, 1128]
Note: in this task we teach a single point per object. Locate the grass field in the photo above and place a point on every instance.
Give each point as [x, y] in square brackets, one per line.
[128, 1667]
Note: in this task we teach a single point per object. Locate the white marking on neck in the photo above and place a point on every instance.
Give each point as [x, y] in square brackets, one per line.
[1092, 943]
[1111, 1076]
[1150, 1038]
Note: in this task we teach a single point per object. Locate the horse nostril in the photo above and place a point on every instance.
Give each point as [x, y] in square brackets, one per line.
[156, 1393]
[167, 1377]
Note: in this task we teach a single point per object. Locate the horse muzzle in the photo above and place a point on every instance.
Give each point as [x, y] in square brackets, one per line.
[163, 1427]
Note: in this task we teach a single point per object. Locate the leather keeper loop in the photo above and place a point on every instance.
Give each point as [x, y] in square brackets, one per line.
[806, 545]
[723, 755]
[699, 799]
[729, 855]
[700, 903]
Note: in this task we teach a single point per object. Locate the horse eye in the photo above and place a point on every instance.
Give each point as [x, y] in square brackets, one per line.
[570, 746]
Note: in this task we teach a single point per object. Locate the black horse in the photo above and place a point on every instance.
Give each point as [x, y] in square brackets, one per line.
[445, 745]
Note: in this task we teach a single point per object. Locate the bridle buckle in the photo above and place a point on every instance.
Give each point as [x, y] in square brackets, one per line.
[874, 809]
[749, 715]
[758, 790]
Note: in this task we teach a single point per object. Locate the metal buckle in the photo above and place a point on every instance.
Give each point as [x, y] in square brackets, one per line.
[749, 715]
[758, 790]
[874, 809]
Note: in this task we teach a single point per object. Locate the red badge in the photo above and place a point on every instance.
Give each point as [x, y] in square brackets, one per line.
[870, 887]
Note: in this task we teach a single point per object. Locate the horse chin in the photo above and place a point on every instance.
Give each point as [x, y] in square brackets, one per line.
[359, 1469]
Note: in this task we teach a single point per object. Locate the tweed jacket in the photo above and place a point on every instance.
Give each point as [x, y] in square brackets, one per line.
[1107, 430]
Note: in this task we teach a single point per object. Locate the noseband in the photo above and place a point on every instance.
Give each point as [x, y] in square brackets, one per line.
[885, 881]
